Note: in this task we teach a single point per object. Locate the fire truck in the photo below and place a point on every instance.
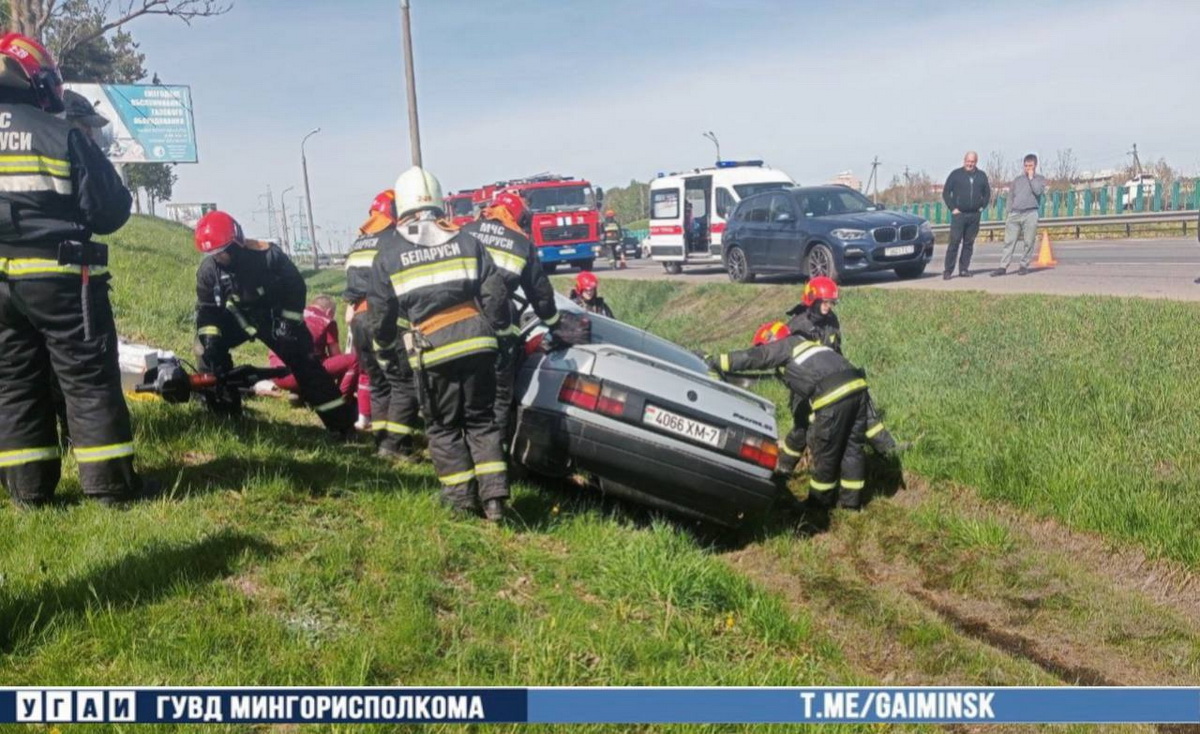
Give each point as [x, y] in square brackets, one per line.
[566, 220]
[460, 206]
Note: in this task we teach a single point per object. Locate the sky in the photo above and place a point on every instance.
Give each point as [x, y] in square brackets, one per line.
[623, 89]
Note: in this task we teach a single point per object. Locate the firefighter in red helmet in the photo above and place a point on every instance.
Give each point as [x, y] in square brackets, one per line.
[247, 289]
[586, 295]
[499, 230]
[57, 189]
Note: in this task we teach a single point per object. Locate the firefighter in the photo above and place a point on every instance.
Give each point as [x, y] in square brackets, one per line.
[613, 237]
[813, 318]
[585, 295]
[247, 289]
[394, 411]
[442, 283]
[498, 229]
[830, 393]
[56, 190]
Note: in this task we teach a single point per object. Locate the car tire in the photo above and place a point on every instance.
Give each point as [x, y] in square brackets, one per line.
[912, 270]
[587, 264]
[737, 266]
[820, 261]
[549, 268]
[673, 268]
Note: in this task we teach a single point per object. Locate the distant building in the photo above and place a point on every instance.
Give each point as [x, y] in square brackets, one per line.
[847, 178]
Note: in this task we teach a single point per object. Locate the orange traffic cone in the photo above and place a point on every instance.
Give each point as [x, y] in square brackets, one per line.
[1045, 254]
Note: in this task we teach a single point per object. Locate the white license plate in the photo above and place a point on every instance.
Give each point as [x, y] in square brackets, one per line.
[902, 250]
[571, 250]
[686, 427]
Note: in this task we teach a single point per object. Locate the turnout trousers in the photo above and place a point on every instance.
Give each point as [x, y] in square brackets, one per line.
[457, 399]
[394, 407]
[836, 438]
[315, 386]
[508, 358]
[791, 449]
[42, 338]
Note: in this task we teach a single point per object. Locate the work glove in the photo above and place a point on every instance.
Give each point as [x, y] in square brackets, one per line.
[714, 363]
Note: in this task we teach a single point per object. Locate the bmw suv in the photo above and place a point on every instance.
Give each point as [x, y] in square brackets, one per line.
[822, 230]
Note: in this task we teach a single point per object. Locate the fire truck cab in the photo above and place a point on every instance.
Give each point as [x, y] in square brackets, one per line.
[688, 209]
[460, 206]
[565, 224]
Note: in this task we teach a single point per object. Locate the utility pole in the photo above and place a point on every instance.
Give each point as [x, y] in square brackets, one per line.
[906, 185]
[713, 137]
[873, 179]
[1137, 163]
[410, 79]
[287, 242]
[312, 235]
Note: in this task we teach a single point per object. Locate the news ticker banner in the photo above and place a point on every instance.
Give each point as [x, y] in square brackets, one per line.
[551, 705]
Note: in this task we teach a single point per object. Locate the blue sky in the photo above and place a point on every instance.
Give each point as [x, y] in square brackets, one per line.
[622, 89]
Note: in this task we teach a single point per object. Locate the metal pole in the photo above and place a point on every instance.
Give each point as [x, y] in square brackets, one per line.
[312, 233]
[414, 127]
[287, 243]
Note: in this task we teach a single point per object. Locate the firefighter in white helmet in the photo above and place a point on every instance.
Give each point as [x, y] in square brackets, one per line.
[442, 287]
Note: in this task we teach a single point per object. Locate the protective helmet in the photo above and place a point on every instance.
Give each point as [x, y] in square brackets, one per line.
[610, 213]
[513, 203]
[382, 213]
[417, 190]
[217, 230]
[771, 332]
[819, 288]
[585, 281]
[28, 65]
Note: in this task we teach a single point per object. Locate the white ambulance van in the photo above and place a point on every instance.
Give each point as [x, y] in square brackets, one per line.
[688, 209]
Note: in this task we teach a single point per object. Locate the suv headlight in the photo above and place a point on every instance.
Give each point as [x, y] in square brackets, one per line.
[926, 227]
[849, 234]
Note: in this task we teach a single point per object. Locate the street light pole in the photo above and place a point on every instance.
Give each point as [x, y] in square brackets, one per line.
[287, 243]
[414, 128]
[712, 136]
[312, 234]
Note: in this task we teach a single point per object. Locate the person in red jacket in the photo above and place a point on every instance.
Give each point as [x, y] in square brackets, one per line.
[322, 325]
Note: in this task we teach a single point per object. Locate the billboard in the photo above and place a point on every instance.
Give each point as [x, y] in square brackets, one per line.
[148, 123]
[188, 214]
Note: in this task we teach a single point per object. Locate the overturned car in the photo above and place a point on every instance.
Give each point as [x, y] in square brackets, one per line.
[644, 417]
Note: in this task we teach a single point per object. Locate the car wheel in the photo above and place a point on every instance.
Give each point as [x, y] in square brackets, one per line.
[587, 264]
[819, 261]
[549, 268]
[673, 268]
[737, 267]
[912, 270]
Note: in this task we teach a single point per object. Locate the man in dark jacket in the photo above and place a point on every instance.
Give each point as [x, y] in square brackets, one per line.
[966, 194]
[56, 190]
[247, 289]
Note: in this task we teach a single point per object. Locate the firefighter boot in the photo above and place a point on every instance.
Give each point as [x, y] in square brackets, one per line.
[493, 510]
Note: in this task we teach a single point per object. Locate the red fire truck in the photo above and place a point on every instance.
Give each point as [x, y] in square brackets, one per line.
[566, 220]
[460, 206]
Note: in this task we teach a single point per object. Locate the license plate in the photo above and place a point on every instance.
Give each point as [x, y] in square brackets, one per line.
[686, 427]
[902, 250]
[571, 250]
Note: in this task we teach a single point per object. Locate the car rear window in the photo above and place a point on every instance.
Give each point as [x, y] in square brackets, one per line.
[748, 190]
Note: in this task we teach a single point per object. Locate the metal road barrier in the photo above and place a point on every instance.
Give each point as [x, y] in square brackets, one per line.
[1186, 220]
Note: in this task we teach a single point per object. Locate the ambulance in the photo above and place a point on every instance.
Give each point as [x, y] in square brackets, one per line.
[688, 209]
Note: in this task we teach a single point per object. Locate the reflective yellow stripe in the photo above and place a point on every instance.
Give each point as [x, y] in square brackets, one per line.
[237, 315]
[209, 331]
[512, 330]
[331, 405]
[399, 428]
[460, 478]
[507, 261]
[360, 259]
[783, 446]
[553, 319]
[874, 430]
[853, 483]
[490, 467]
[725, 363]
[455, 349]
[293, 315]
[462, 264]
[19, 267]
[838, 393]
[35, 164]
[91, 454]
[802, 347]
[821, 486]
[26, 456]
[403, 323]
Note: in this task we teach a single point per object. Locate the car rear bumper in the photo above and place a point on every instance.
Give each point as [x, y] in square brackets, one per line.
[867, 257]
[642, 466]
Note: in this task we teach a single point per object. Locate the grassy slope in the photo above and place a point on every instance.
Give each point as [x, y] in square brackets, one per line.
[282, 560]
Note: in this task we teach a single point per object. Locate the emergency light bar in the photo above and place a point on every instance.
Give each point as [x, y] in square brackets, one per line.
[737, 164]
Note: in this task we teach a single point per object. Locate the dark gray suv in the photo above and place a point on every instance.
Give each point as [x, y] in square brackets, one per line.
[822, 230]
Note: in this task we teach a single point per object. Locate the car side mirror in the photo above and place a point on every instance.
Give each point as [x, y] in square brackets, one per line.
[784, 217]
[599, 195]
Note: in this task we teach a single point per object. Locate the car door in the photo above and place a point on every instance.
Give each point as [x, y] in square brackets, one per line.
[754, 220]
[781, 238]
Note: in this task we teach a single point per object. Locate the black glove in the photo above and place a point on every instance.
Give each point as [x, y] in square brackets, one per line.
[714, 362]
[287, 332]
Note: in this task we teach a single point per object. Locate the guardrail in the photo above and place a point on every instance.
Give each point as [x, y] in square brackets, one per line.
[1186, 219]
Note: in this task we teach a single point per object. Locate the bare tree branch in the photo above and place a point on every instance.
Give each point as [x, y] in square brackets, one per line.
[185, 10]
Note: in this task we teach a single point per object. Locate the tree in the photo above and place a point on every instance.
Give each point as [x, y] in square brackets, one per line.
[1000, 170]
[37, 17]
[630, 204]
[1064, 170]
[156, 179]
[910, 188]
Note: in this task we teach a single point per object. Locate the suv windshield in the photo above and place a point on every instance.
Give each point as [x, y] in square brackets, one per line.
[461, 207]
[831, 202]
[748, 190]
[559, 198]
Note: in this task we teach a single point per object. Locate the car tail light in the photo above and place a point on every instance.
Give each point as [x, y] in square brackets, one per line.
[612, 400]
[534, 343]
[761, 451]
[580, 391]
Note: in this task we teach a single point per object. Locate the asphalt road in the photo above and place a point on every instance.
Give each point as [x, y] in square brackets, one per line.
[1150, 268]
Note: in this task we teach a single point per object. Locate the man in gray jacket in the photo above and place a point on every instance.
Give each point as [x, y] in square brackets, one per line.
[1025, 196]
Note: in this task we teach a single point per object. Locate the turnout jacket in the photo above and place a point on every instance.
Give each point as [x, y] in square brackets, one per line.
[450, 295]
[828, 332]
[358, 266]
[612, 232]
[259, 279]
[515, 258]
[812, 371]
[55, 185]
